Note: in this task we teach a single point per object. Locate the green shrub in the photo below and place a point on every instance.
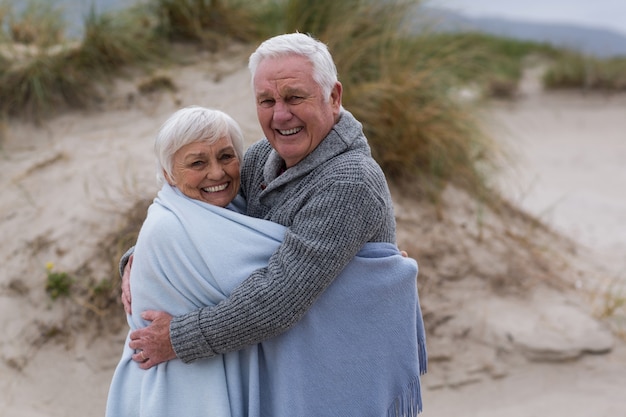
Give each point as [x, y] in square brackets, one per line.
[58, 284]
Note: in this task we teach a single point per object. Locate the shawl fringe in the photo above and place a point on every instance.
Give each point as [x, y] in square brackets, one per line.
[423, 355]
[409, 402]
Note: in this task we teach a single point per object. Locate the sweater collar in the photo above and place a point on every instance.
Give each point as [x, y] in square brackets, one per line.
[346, 134]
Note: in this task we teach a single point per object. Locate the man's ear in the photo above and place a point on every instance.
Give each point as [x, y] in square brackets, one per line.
[335, 97]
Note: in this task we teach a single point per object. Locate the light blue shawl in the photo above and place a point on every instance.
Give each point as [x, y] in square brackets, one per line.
[359, 351]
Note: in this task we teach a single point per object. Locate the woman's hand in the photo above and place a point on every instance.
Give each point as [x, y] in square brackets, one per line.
[153, 344]
[126, 285]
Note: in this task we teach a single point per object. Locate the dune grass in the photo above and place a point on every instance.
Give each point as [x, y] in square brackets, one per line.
[42, 72]
[211, 23]
[401, 85]
[494, 64]
[38, 23]
[114, 41]
[571, 70]
[30, 78]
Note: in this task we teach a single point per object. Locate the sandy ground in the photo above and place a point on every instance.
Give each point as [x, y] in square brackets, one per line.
[568, 164]
[64, 185]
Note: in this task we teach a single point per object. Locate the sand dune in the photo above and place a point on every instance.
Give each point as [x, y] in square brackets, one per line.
[64, 185]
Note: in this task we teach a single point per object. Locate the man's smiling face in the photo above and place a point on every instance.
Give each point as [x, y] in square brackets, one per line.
[293, 113]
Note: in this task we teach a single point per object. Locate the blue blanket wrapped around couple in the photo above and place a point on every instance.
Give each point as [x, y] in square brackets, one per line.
[359, 351]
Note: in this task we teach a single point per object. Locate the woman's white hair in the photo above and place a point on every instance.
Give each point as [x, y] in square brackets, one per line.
[193, 124]
[324, 69]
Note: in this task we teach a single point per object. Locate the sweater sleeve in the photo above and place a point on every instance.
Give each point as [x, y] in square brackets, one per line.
[325, 235]
[124, 260]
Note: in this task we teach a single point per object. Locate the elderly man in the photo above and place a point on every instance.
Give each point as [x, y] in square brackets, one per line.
[313, 173]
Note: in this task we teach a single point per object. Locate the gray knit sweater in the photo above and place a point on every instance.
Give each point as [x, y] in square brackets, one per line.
[332, 202]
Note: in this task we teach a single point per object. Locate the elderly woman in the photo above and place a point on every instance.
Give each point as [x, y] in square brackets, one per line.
[198, 152]
[194, 249]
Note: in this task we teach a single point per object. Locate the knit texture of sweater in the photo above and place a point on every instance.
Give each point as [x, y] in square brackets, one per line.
[332, 202]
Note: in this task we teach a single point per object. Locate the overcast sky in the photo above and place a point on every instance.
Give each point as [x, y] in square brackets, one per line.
[607, 14]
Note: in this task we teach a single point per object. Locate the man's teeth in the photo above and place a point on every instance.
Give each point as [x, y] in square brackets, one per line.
[290, 131]
[215, 188]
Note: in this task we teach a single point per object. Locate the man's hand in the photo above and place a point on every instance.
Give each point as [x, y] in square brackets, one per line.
[126, 286]
[153, 344]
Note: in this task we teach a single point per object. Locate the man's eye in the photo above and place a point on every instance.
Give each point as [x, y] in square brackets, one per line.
[266, 103]
[295, 100]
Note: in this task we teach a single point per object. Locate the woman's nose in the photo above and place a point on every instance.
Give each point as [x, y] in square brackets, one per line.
[215, 172]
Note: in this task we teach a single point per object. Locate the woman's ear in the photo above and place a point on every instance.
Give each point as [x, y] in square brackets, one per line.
[168, 179]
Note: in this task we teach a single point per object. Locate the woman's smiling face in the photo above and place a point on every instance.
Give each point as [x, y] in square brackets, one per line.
[207, 172]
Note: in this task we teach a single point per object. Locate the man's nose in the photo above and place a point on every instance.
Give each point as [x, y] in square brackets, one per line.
[282, 111]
